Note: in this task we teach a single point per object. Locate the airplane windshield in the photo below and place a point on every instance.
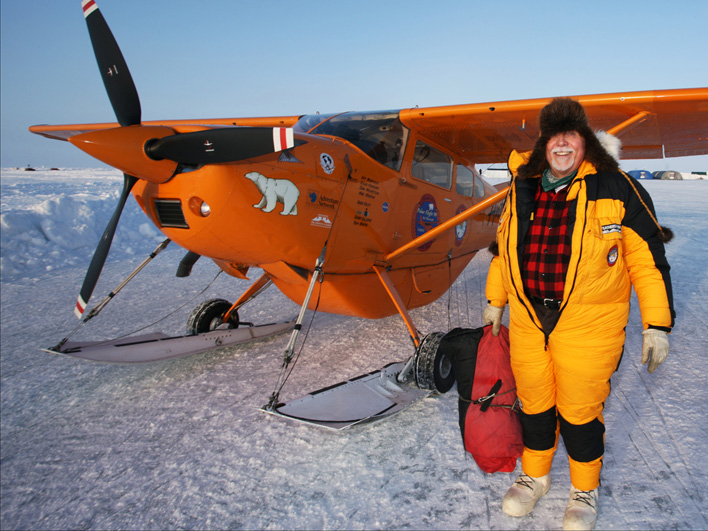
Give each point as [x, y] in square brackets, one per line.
[380, 135]
[308, 122]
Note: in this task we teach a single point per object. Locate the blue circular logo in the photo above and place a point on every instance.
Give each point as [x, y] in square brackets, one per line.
[425, 217]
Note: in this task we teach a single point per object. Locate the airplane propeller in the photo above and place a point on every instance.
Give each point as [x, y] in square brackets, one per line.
[126, 105]
[213, 146]
[114, 70]
[229, 144]
[101, 252]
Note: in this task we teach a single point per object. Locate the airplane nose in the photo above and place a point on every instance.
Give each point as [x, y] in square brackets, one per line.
[123, 148]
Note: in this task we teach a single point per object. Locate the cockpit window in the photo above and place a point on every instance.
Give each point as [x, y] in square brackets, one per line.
[432, 165]
[380, 135]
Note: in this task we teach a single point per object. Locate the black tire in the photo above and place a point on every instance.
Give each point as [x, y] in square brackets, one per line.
[433, 369]
[208, 315]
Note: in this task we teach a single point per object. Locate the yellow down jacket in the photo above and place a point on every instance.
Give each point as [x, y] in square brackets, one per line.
[615, 246]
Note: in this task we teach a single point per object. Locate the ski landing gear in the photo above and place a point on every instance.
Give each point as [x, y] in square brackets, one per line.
[158, 346]
[213, 324]
[377, 395]
[380, 393]
[209, 315]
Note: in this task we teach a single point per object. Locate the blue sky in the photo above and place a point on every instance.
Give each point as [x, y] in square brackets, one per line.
[273, 57]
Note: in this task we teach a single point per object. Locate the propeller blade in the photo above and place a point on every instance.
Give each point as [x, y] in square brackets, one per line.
[221, 145]
[114, 70]
[101, 252]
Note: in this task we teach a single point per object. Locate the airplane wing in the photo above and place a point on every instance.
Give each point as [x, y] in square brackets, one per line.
[655, 124]
[64, 132]
[651, 124]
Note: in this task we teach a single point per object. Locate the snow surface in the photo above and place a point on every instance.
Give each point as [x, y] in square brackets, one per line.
[182, 443]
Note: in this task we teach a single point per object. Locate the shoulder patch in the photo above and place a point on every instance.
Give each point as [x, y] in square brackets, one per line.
[612, 256]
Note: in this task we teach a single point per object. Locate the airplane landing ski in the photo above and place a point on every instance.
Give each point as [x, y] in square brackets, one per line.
[159, 346]
[364, 399]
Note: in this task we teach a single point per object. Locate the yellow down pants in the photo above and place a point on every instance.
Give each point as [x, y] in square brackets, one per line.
[564, 383]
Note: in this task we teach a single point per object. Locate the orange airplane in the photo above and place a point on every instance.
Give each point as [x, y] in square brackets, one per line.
[382, 209]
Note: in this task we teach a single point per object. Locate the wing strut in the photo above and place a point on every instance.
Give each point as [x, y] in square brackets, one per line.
[398, 302]
[447, 225]
[629, 123]
[385, 278]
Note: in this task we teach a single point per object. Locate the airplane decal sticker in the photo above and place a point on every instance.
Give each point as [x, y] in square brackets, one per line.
[327, 163]
[321, 201]
[425, 217]
[461, 229]
[321, 221]
[275, 191]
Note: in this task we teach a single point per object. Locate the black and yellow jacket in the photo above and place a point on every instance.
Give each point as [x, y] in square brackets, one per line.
[616, 244]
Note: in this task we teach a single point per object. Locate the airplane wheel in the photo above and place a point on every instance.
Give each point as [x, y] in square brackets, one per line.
[433, 369]
[208, 315]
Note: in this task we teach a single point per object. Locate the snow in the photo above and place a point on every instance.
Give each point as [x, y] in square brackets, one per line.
[182, 443]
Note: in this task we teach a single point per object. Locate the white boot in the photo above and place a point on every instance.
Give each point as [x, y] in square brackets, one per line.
[522, 496]
[581, 513]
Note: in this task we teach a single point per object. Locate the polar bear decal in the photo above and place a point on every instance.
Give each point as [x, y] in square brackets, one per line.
[275, 191]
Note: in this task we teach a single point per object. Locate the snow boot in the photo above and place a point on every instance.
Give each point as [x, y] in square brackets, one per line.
[581, 512]
[522, 496]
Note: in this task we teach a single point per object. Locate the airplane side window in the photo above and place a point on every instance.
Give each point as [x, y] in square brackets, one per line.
[468, 182]
[432, 165]
[478, 186]
[465, 181]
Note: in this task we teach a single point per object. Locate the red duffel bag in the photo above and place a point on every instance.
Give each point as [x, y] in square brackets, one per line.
[489, 413]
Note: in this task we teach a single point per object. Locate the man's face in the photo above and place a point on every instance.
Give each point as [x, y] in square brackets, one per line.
[565, 153]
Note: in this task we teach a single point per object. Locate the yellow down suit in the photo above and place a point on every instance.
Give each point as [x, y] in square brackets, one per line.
[563, 376]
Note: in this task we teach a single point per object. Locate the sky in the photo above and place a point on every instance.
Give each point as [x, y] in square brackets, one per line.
[275, 57]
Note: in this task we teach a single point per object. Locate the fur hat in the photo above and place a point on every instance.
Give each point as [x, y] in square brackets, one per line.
[602, 150]
[560, 116]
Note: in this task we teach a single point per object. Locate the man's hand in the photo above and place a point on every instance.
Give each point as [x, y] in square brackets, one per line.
[655, 348]
[492, 316]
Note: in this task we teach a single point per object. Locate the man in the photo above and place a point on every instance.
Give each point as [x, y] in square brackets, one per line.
[576, 234]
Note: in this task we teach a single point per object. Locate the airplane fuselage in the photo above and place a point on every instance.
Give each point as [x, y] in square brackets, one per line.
[360, 182]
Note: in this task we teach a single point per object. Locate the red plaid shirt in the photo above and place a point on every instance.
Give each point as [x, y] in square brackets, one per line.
[547, 246]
